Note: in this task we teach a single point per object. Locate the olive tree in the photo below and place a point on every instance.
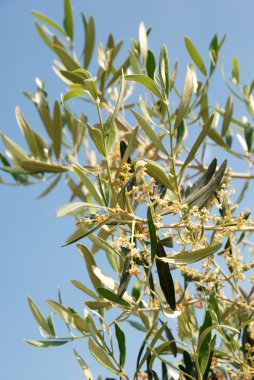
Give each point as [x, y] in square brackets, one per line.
[145, 195]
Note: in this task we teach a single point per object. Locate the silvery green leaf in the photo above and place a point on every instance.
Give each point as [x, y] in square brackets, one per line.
[189, 257]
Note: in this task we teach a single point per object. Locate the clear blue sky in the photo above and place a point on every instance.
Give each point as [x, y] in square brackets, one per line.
[32, 262]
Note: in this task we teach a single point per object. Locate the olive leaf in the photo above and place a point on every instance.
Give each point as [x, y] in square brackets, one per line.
[202, 194]
[188, 257]
[125, 276]
[165, 278]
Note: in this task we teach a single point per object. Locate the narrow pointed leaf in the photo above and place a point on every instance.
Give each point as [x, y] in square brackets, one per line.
[89, 40]
[108, 295]
[143, 42]
[83, 176]
[50, 187]
[235, 71]
[16, 151]
[90, 262]
[110, 134]
[82, 232]
[150, 64]
[156, 171]
[121, 344]
[69, 316]
[101, 357]
[165, 278]
[68, 18]
[205, 178]
[57, 130]
[189, 257]
[66, 59]
[97, 138]
[151, 344]
[203, 195]
[149, 132]
[197, 143]
[164, 69]
[91, 85]
[204, 351]
[39, 317]
[197, 59]
[227, 116]
[186, 97]
[69, 209]
[79, 285]
[147, 82]
[73, 94]
[113, 285]
[166, 242]
[84, 366]
[43, 35]
[96, 305]
[171, 340]
[35, 166]
[48, 21]
[47, 343]
[164, 371]
[125, 276]
[152, 233]
[27, 132]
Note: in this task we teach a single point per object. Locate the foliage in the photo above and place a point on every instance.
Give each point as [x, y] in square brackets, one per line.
[175, 243]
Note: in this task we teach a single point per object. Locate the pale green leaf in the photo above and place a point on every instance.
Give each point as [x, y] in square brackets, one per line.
[97, 138]
[17, 153]
[198, 142]
[149, 132]
[84, 366]
[27, 132]
[164, 69]
[111, 284]
[68, 18]
[110, 134]
[35, 166]
[46, 343]
[101, 357]
[219, 328]
[96, 305]
[39, 317]
[69, 316]
[66, 59]
[50, 187]
[197, 59]
[156, 171]
[236, 71]
[143, 42]
[227, 116]
[147, 82]
[79, 285]
[89, 40]
[186, 97]
[69, 209]
[73, 94]
[91, 85]
[90, 263]
[43, 35]
[189, 257]
[90, 186]
[49, 21]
